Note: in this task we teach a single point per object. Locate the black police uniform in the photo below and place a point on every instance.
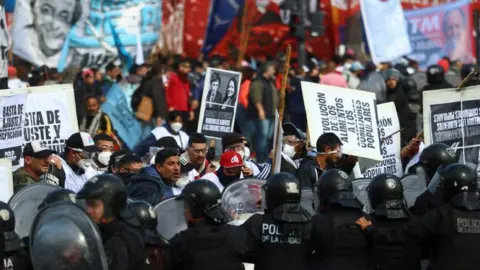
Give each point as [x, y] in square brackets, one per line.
[436, 78]
[16, 257]
[280, 239]
[454, 228]
[124, 244]
[208, 243]
[385, 193]
[339, 242]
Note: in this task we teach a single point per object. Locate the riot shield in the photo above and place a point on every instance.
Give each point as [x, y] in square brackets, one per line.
[64, 237]
[375, 83]
[25, 205]
[309, 200]
[360, 191]
[413, 186]
[170, 217]
[436, 180]
[243, 197]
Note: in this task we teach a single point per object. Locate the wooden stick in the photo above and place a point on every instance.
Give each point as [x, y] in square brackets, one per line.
[465, 81]
[241, 47]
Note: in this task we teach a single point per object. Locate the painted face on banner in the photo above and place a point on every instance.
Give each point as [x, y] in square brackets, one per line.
[52, 21]
[454, 25]
[231, 88]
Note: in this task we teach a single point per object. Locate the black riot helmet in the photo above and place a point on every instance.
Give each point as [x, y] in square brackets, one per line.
[409, 85]
[107, 188]
[334, 187]
[141, 214]
[7, 222]
[436, 155]
[281, 188]
[202, 199]
[457, 178]
[435, 74]
[385, 193]
[467, 69]
[61, 195]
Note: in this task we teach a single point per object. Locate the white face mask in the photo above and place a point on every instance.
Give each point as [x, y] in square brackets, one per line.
[176, 126]
[339, 153]
[289, 150]
[242, 154]
[84, 164]
[247, 153]
[104, 158]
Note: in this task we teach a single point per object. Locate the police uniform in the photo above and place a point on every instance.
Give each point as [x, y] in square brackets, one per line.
[339, 242]
[454, 228]
[208, 243]
[280, 239]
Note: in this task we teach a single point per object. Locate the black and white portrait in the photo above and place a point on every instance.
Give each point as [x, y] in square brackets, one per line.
[214, 97]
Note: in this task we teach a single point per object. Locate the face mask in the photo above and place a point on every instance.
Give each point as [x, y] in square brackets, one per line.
[242, 154]
[247, 153]
[176, 126]
[104, 158]
[126, 176]
[289, 150]
[338, 152]
[84, 164]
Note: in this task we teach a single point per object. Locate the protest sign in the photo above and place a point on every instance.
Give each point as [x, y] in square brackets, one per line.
[12, 107]
[385, 29]
[118, 109]
[277, 143]
[350, 114]
[82, 35]
[453, 117]
[388, 124]
[219, 102]
[50, 115]
[443, 30]
[6, 180]
[4, 46]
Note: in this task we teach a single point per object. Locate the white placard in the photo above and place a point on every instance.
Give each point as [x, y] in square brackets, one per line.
[278, 154]
[388, 124]
[6, 180]
[350, 114]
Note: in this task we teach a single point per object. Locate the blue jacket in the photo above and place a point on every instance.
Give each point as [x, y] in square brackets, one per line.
[148, 186]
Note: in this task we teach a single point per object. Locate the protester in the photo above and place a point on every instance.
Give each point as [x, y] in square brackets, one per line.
[113, 75]
[436, 78]
[293, 148]
[95, 121]
[230, 170]
[194, 161]
[335, 76]
[115, 158]
[13, 81]
[241, 116]
[177, 90]
[295, 105]
[128, 167]
[40, 163]
[235, 142]
[106, 146]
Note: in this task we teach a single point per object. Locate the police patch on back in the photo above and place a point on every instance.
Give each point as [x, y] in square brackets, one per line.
[272, 234]
[468, 225]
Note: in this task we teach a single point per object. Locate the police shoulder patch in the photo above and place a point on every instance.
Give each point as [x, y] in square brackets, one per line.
[151, 212]
[343, 174]
[5, 215]
[391, 183]
[292, 187]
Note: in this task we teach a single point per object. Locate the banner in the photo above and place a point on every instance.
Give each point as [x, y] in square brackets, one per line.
[388, 124]
[43, 28]
[12, 106]
[6, 180]
[219, 102]
[123, 120]
[440, 31]
[384, 25]
[278, 139]
[453, 117]
[4, 44]
[50, 115]
[350, 114]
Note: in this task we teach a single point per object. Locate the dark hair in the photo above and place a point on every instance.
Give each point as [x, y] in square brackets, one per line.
[235, 88]
[179, 61]
[265, 66]
[128, 159]
[111, 66]
[164, 154]
[247, 73]
[215, 78]
[173, 115]
[115, 158]
[77, 11]
[327, 139]
[103, 137]
[89, 96]
[445, 16]
[196, 138]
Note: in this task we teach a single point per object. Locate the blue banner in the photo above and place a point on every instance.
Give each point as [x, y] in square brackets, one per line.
[222, 13]
[441, 31]
[124, 122]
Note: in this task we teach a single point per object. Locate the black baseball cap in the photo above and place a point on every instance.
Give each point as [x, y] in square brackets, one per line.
[37, 149]
[290, 129]
[82, 140]
[231, 138]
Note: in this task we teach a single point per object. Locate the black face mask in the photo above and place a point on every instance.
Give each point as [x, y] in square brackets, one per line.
[227, 179]
[126, 176]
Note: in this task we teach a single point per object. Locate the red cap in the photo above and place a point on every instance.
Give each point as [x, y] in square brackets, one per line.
[12, 71]
[231, 159]
[87, 72]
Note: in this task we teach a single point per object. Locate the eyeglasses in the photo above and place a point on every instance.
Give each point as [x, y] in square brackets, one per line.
[199, 151]
[82, 153]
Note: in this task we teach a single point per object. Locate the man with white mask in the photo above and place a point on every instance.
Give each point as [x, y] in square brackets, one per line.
[105, 148]
[77, 160]
[293, 149]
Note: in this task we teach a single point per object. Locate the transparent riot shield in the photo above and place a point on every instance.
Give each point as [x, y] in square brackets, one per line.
[243, 198]
[25, 205]
[64, 237]
[413, 186]
[170, 216]
[360, 191]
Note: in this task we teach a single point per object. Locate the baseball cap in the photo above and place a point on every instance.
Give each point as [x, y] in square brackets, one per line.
[231, 159]
[231, 138]
[37, 149]
[82, 140]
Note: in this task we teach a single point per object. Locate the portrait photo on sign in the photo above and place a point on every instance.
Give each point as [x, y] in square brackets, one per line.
[219, 102]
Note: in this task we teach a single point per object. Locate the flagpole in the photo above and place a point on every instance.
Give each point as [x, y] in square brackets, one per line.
[245, 34]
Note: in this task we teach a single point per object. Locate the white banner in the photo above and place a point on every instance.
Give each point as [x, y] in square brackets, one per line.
[4, 42]
[350, 114]
[386, 29]
[12, 107]
[6, 180]
[388, 124]
[279, 143]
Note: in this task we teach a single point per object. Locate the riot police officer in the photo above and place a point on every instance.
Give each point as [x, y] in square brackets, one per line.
[16, 257]
[208, 243]
[436, 78]
[454, 227]
[61, 195]
[339, 242]
[467, 69]
[432, 158]
[390, 215]
[280, 237]
[106, 197]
